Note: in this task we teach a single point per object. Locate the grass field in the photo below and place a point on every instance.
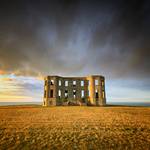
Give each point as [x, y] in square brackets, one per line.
[33, 127]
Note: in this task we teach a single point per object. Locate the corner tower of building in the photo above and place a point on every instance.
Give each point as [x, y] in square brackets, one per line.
[88, 90]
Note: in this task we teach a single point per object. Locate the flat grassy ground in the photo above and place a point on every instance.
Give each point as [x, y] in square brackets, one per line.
[73, 127]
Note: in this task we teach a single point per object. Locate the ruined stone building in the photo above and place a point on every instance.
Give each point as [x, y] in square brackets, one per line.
[88, 90]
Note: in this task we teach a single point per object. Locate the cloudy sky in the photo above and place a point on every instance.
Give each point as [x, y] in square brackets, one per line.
[75, 38]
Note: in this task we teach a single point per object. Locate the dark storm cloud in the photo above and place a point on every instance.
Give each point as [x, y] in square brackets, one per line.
[122, 45]
[76, 37]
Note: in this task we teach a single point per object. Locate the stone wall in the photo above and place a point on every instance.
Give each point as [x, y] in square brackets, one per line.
[74, 91]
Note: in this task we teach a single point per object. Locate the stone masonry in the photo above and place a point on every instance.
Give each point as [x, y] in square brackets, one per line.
[88, 90]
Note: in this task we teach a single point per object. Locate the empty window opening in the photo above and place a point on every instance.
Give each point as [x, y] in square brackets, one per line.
[74, 83]
[51, 93]
[82, 83]
[74, 94]
[82, 93]
[96, 82]
[66, 83]
[59, 82]
[52, 82]
[96, 93]
[59, 93]
[66, 93]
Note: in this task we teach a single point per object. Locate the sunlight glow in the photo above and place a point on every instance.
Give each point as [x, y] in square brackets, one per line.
[20, 88]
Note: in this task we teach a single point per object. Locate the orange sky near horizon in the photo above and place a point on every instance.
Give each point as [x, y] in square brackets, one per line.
[13, 88]
[30, 89]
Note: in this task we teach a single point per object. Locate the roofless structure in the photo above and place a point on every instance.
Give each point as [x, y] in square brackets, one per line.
[88, 90]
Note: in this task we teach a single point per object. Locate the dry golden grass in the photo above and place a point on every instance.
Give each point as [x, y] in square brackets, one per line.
[24, 127]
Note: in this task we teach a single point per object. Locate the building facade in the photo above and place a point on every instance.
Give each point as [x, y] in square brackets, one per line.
[88, 90]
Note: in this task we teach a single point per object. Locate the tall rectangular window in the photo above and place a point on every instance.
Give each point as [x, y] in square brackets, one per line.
[96, 93]
[74, 94]
[96, 82]
[59, 93]
[59, 82]
[82, 93]
[74, 83]
[82, 83]
[52, 82]
[66, 83]
[51, 93]
[66, 93]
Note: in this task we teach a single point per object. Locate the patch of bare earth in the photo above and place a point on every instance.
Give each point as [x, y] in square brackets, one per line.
[74, 128]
